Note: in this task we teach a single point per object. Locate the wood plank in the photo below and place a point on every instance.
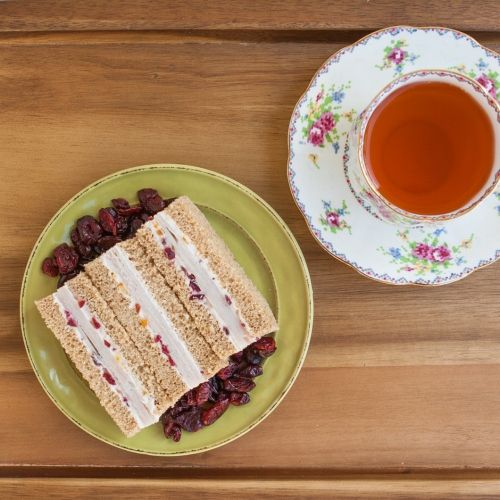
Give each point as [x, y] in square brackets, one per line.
[389, 419]
[58, 15]
[184, 488]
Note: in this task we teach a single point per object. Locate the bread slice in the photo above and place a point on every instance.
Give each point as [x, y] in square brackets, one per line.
[201, 351]
[90, 342]
[126, 302]
[213, 287]
[175, 278]
[82, 288]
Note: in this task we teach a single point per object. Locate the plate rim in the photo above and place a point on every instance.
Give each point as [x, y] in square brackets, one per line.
[321, 68]
[289, 235]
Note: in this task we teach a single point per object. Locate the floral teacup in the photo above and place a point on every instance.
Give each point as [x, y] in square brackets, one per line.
[357, 174]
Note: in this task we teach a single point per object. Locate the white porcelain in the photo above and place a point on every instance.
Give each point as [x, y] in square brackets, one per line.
[342, 221]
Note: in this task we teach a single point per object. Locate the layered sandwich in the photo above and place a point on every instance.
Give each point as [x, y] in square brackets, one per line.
[157, 315]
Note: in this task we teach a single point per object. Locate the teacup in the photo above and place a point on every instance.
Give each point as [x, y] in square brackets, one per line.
[475, 156]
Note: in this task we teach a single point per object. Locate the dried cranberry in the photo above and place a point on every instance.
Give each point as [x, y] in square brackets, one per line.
[127, 212]
[70, 321]
[121, 224]
[65, 277]
[228, 300]
[85, 251]
[191, 397]
[222, 395]
[89, 230]
[172, 430]
[199, 395]
[203, 392]
[210, 415]
[239, 398]
[190, 276]
[108, 377]
[107, 219]
[49, 267]
[120, 203]
[106, 242]
[228, 371]
[197, 296]
[135, 224]
[238, 384]
[265, 346]
[75, 237]
[145, 194]
[194, 286]
[154, 204]
[215, 386]
[252, 357]
[169, 253]
[179, 407]
[251, 371]
[189, 420]
[237, 357]
[66, 258]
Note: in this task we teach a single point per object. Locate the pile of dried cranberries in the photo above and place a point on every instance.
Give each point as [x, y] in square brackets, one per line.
[203, 405]
[91, 237]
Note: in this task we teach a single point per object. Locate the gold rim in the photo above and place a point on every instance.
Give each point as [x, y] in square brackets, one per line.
[335, 54]
[360, 143]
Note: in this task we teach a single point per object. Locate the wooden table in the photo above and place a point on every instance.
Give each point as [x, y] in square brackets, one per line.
[400, 392]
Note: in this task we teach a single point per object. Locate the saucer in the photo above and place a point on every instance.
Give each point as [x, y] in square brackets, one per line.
[342, 223]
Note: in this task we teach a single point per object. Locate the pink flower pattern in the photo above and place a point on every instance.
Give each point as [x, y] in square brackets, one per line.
[323, 116]
[488, 84]
[396, 55]
[327, 121]
[333, 219]
[429, 254]
[316, 135]
[422, 251]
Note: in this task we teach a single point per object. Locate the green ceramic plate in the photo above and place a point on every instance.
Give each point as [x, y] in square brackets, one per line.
[262, 244]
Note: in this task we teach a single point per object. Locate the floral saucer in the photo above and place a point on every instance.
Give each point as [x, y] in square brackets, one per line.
[342, 88]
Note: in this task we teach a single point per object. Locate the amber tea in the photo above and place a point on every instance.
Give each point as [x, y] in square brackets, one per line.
[429, 148]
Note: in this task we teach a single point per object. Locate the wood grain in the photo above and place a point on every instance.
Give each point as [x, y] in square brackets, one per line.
[58, 15]
[398, 379]
[385, 419]
[151, 489]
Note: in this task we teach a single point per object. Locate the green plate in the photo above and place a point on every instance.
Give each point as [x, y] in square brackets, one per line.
[262, 244]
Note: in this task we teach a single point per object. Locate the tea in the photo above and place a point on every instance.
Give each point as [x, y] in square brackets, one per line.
[429, 148]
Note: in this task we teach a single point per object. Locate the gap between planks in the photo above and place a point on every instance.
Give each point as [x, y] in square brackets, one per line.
[111, 37]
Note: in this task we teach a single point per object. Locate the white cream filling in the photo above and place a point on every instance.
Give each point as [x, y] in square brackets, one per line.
[108, 357]
[158, 321]
[225, 312]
